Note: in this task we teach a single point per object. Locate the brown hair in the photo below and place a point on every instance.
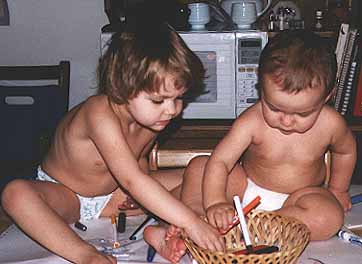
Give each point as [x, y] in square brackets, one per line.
[297, 60]
[139, 58]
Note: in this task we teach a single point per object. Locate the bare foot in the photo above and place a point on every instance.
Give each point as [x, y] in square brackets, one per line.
[166, 241]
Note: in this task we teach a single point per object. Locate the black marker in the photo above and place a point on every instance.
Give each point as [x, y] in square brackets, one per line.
[80, 226]
[138, 233]
[121, 224]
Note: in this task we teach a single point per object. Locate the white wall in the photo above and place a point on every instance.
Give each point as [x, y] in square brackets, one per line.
[47, 31]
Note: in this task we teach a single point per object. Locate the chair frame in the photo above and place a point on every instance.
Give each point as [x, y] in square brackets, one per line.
[60, 72]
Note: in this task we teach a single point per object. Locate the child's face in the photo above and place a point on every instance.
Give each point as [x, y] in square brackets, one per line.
[155, 110]
[290, 112]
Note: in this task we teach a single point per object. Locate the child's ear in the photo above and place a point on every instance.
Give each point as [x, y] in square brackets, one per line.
[331, 94]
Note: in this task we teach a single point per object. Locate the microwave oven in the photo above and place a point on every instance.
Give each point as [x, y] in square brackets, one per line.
[231, 61]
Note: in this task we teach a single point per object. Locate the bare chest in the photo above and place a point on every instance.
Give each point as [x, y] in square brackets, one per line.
[302, 149]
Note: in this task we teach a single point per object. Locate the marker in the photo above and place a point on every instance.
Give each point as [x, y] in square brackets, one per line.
[350, 237]
[356, 198]
[116, 244]
[121, 225]
[246, 210]
[138, 233]
[80, 226]
[243, 224]
[151, 253]
[261, 249]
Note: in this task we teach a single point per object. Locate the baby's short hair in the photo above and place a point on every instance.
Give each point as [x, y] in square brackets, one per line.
[297, 60]
[140, 57]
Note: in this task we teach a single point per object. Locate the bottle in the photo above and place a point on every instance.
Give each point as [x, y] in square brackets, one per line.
[281, 18]
[318, 20]
[272, 21]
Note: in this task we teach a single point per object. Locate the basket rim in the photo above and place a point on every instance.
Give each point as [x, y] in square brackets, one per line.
[191, 246]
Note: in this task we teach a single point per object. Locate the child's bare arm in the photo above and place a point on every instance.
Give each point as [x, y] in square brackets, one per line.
[219, 211]
[120, 159]
[343, 150]
[143, 160]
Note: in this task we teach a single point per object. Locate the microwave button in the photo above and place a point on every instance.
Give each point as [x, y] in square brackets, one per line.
[243, 75]
[250, 75]
[242, 101]
[251, 100]
[242, 92]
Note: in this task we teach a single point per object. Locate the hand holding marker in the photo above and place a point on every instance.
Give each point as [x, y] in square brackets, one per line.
[254, 203]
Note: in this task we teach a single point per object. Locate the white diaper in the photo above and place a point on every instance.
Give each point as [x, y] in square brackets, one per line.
[270, 201]
[90, 207]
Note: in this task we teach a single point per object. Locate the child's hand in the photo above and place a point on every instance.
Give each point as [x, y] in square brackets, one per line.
[343, 198]
[206, 236]
[221, 215]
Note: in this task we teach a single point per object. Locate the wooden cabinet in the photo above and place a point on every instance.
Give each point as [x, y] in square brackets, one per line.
[187, 138]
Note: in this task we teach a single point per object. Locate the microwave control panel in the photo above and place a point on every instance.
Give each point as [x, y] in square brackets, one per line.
[248, 49]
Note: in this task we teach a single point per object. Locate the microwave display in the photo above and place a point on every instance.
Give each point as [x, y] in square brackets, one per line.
[249, 51]
[249, 46]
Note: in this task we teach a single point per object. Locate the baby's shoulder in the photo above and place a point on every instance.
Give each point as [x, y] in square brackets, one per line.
[251, 116]
[330, 118]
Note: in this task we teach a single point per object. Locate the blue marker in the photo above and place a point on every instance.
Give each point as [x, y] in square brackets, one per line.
[356, 198]
[151, 253]
[349, 237]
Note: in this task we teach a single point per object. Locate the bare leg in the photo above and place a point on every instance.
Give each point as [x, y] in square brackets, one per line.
[191, 190]
[318, 209]
[44, 210]
[167, 242]
[170, 179]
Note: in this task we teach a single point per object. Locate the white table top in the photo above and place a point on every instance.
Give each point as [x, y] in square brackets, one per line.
[15, 247]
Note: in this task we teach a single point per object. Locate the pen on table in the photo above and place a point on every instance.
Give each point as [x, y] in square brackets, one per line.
[80, 226]
[137, 234]
[350, 237]
[116, 244]
[151, 253]
[121, 223]
[356, 198]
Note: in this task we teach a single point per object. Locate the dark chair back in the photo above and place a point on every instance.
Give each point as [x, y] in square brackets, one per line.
[31, 106]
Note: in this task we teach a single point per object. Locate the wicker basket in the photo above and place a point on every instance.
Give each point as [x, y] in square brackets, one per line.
[265, 228]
